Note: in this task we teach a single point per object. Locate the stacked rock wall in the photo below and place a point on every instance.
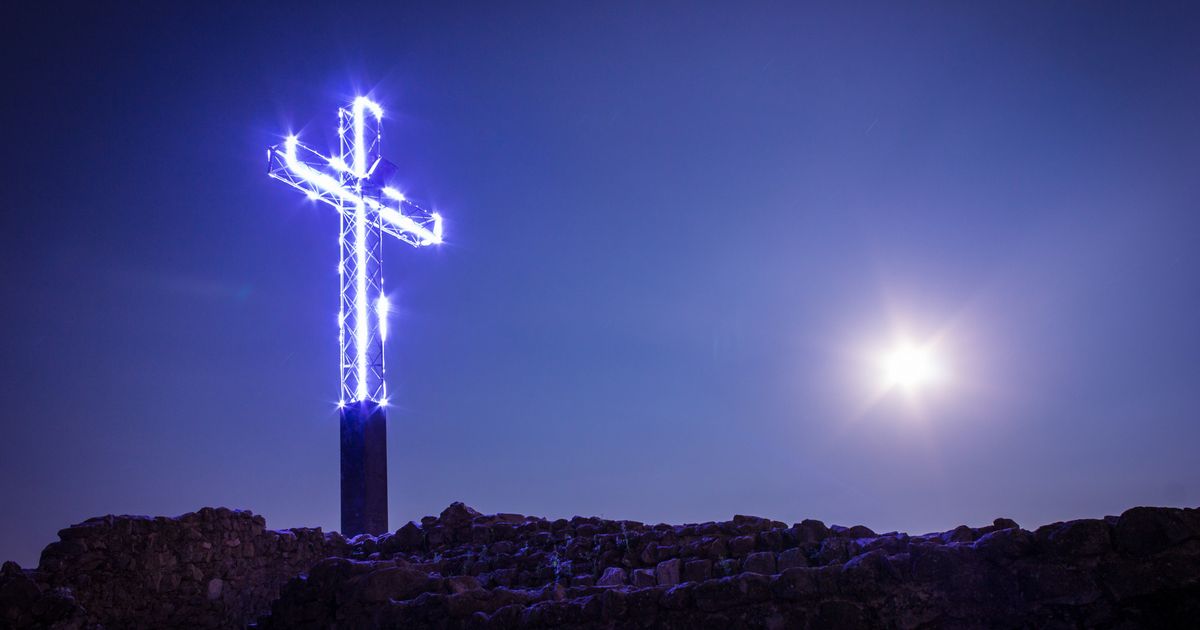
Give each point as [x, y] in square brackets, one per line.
[215, 568]
[465, 570]
[218, 568]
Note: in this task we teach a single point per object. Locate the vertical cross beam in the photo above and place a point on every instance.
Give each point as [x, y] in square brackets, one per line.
[363, 307]
[363, 418]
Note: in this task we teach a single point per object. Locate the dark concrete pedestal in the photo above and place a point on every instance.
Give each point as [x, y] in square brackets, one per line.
[364, 469]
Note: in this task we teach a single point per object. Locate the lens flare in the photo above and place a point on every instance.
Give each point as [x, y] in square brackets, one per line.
[910, 367]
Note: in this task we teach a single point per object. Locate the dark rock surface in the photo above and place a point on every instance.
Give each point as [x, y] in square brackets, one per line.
[214, 568]
[462, 569]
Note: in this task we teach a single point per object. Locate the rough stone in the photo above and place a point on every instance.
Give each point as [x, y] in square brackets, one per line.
[1085, 537]
[613, 576]
[789, 558]
[811, 531]
[697, 570]
[215, 586]
[1144, 531]
[643, 578]
[667, 572]
[741, 546]
[219, 568]
[762, 562]
[860, 531]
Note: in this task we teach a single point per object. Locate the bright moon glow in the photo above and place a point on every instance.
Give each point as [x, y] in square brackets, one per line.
[911, 367]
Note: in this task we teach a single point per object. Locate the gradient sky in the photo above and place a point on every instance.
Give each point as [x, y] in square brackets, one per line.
[679, 236]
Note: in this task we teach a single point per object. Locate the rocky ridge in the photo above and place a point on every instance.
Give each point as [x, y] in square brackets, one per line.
[462, 569]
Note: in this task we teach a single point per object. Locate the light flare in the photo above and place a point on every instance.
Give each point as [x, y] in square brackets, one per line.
[910, 366]
[381, 311]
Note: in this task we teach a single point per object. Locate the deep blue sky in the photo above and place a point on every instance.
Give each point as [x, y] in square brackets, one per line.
[678, 235]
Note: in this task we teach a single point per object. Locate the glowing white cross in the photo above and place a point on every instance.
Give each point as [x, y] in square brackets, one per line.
[353, 183]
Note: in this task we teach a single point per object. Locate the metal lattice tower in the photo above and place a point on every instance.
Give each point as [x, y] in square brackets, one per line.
[354, 183]
[361, 266]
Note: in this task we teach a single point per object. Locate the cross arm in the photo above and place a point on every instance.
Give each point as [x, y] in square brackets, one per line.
[303, 168]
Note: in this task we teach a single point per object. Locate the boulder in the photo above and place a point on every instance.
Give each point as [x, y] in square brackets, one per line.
[1085, 537]
[860, 531]
[762, 562]
[667, 572]
[1005, 545]
[457, 516]
[1146, 530]
[697, 570]
[741, 546]
[643, 578]
[613, 576]
[811, 531]
[962, 533]
[790, 558]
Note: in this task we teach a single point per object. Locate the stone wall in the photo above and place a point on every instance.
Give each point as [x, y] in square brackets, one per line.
[465, 570]
[218, 568]
[215, 568]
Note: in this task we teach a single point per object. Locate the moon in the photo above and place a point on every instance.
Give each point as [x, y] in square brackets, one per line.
[911, 367]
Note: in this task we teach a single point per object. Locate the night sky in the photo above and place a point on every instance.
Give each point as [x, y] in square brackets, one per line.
[679, 237]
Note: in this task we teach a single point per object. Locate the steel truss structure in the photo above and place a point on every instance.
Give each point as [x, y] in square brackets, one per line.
[354, 183]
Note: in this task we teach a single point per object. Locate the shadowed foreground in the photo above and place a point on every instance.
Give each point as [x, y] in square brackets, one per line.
[218, 568]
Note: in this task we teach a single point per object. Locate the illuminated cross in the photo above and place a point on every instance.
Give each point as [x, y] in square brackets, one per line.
[354, 183]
